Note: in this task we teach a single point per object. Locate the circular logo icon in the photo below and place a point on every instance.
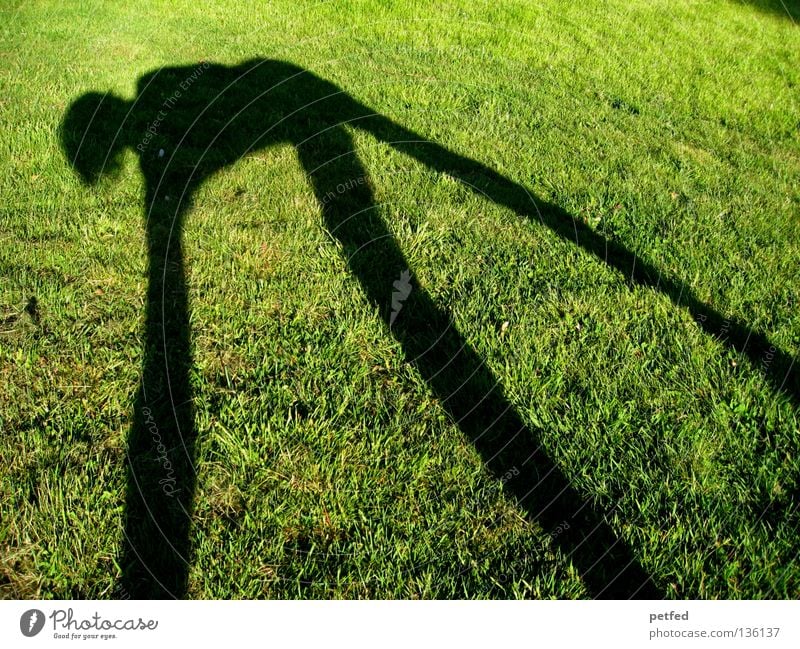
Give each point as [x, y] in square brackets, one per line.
[31, 622]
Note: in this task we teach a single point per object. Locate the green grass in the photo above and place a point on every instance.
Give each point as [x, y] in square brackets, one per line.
[327, 466]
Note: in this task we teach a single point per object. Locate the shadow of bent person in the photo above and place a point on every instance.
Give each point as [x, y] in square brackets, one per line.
[185, 124]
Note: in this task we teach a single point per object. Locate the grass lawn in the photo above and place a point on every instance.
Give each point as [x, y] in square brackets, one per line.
[591, 388]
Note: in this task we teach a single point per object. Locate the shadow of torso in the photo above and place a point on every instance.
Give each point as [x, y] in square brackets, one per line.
[187, 123]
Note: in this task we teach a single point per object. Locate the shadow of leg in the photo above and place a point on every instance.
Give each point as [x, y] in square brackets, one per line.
[155, 554]
[779, 367]
[462, 382]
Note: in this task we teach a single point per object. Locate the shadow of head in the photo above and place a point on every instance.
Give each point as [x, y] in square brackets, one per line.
[92, 135]
[205, 116]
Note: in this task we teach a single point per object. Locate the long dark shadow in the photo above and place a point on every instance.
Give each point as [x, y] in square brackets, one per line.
[463, 383]
[776, 364]
[187, 123]
[160, 453]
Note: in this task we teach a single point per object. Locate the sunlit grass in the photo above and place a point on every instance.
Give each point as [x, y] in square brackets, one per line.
[326, 466]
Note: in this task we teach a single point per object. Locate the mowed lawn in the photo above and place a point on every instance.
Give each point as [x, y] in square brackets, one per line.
[326, 464]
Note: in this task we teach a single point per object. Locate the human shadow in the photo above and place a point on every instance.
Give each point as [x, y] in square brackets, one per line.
[185, 124]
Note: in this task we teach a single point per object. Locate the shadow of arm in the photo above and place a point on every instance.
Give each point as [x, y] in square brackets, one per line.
[504, 192]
